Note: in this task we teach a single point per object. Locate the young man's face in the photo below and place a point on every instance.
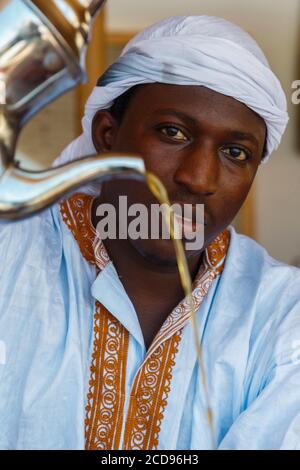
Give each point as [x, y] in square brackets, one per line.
[204, 146]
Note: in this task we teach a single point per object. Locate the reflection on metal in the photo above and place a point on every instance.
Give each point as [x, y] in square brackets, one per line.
[23, 193]
[42, 50]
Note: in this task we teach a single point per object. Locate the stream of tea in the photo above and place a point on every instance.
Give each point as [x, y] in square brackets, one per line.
[160, 193]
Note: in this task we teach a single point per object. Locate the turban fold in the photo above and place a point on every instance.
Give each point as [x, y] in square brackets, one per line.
[192, 50]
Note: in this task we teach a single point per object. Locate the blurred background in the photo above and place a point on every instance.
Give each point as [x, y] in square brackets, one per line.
[271, 213]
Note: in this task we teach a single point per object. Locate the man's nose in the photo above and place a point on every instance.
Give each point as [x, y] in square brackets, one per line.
[199, 170]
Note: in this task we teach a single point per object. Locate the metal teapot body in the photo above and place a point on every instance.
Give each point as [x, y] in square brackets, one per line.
[42, 52]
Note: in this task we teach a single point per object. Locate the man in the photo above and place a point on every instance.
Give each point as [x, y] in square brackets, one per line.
[100, 351]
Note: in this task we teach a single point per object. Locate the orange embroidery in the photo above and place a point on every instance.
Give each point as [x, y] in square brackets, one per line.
[151, 386]
[104, 410]
[214, 260]
[76, 214]
[149, 396]
[216, 252]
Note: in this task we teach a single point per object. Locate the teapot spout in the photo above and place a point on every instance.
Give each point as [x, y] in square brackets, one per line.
[23, 193]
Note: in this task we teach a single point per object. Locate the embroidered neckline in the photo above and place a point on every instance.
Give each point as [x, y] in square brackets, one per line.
[76, 213]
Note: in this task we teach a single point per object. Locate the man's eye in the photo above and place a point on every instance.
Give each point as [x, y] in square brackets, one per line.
[174, 133]
[236, 153]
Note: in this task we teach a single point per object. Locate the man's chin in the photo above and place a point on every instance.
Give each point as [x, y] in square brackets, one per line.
[161, 252]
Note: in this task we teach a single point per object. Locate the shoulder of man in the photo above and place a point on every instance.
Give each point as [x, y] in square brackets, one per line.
[266, 293]
[29, 240]
[259, 269]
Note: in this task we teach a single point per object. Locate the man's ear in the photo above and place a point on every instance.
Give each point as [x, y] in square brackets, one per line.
[104, 129]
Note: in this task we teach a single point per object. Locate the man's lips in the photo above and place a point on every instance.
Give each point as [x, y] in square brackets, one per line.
[193, 222]
[187, 225]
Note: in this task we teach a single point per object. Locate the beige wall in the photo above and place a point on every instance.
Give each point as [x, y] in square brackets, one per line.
[48, 133]
[276, 26]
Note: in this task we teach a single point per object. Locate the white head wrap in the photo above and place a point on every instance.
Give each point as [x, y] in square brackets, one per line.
[192, 50]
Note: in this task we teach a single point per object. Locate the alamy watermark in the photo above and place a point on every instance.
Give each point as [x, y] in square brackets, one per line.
[296, 93]
[138, 221]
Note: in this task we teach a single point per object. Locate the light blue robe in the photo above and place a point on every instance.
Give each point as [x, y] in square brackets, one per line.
[249, 323]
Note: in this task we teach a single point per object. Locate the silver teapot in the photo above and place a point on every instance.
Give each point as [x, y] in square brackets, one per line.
[42, 52]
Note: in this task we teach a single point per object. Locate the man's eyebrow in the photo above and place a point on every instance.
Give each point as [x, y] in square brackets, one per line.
[179, 114]
[238, 135]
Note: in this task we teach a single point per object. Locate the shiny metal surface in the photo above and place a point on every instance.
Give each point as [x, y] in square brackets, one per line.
[42, 52]
[36, 63]
[23, 193]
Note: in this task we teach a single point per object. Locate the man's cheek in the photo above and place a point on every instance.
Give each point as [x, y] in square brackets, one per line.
[227, 209]
[160, 166]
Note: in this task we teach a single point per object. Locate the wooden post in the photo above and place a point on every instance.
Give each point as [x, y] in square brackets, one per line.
[95, 65]
[247, 215]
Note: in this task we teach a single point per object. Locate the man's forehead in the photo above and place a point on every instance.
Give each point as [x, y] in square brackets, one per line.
[197, 104]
